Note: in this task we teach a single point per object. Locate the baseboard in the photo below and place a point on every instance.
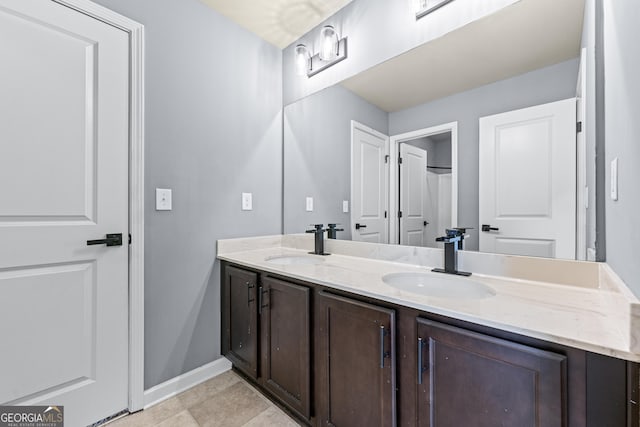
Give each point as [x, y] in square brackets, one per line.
[174, 386]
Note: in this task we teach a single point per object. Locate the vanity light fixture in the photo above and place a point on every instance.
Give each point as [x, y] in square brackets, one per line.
[303, 60]
[332, 50]
[425, 7]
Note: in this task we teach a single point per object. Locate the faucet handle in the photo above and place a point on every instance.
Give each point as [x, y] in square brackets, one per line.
[317, 228]
[334, 226]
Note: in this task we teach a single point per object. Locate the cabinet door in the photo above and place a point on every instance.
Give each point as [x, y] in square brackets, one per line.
[469, 379]
[240, 339]
[355, 363]
[285, 349]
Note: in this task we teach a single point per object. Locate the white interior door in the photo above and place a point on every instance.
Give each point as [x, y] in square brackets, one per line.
[64, 85]
[369, 184]
[413, 195]
[528, 181]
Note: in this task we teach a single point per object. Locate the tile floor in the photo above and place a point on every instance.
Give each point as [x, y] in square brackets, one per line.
[226, 401]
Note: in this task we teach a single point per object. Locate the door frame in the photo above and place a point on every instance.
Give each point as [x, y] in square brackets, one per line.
[394, 175]
[582, 189]
[136, 188]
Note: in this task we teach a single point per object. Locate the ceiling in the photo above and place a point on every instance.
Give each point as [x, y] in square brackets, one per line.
[525, 36]
[279, 22]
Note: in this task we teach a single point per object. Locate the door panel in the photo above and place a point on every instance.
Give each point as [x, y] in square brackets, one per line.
[241, 319]
[473, 379]
[369, 182]
[285, 329]
[355, 363]
[528, 181]
[413, 195]
[63, 181]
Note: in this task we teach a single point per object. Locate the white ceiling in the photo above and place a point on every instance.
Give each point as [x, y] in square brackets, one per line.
[525, 36]
[280, 22]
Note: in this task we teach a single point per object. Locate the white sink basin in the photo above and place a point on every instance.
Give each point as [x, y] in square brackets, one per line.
[439, 285]
[295, 259]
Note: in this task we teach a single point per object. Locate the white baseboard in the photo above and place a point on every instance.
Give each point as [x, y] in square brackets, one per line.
[174, 386]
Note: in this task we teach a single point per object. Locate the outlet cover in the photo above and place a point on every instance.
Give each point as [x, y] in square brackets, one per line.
[345, 206]
[309, 204]
[163, 199]
[614, 179]
[247, 201]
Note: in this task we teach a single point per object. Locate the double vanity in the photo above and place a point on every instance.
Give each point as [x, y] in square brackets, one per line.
[369, 336]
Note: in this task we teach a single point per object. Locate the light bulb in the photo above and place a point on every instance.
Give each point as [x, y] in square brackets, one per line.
[328, 43]
[302, 60]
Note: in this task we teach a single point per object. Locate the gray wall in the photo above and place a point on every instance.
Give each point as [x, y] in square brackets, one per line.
[317, 156]
[213, 130]
[378, 30]
[537, 87]
[622, 131]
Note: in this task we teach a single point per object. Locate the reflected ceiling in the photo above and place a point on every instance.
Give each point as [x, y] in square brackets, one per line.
[279, 22]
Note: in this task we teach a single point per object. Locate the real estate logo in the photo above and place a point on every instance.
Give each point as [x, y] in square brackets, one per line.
[31, 416]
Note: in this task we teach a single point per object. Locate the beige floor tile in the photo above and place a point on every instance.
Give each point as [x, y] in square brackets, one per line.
[181, 419]
[208, 389]
[233, 408]
[151, 416]
[272, 417]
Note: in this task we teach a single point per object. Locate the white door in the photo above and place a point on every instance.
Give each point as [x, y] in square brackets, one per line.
[369, 182]
[64, 85]
[528, 181]
[413, 195]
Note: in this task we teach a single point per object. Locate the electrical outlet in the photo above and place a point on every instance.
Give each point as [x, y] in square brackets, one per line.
[309, 204]
[345, 206]
[163, 199]
[247, 201]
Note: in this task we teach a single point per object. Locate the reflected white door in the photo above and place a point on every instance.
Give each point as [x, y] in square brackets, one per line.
[528, 181]
[369, 184]
[413, 195]
[64, 85]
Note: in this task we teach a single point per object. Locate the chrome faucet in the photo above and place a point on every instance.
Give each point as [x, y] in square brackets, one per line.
[452, 243]
[319, 239]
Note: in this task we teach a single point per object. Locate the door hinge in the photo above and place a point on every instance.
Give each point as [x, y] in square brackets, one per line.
[385, 214]
[129, 238]
[386, 158]
[399, 214]
[400, 160]
[579, 127]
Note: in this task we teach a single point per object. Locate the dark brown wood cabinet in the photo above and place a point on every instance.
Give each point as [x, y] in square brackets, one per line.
[465, 378]
[240, 319]
[285, 342]
[355, 363]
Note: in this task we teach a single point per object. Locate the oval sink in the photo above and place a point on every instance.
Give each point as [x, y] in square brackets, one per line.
[438, 285]
[295, 259]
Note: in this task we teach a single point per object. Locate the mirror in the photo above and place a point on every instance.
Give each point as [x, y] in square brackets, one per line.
[427, 105]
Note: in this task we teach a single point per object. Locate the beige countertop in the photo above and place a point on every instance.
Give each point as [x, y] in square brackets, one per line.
[596, 314]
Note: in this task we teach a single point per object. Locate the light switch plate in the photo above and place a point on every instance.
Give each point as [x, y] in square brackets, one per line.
[345, 206]
[163, 199]
[309, 204]
[614, 179]
[247, 201]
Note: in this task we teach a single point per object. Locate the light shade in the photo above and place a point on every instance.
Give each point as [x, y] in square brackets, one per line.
[302, 60]
[328, 43]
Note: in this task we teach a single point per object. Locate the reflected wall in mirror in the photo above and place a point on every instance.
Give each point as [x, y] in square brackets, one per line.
[318, 140]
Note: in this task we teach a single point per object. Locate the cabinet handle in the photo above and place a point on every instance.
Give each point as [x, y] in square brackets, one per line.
[249, 287]
[260, 304]
[383, 353]
[420, 368]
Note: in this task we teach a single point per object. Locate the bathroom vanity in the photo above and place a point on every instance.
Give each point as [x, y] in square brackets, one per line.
[343, 340]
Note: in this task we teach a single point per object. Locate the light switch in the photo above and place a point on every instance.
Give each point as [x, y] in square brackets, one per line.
[309, 204]
[163, 199]
[614, 179]
[345, 206]
[247, 201]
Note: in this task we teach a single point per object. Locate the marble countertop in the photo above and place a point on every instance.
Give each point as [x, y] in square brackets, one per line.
[596, 315]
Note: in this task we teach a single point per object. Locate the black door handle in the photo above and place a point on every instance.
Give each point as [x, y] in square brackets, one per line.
[425, 223]
[486, 227]
[359, 226]
[111, 240]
